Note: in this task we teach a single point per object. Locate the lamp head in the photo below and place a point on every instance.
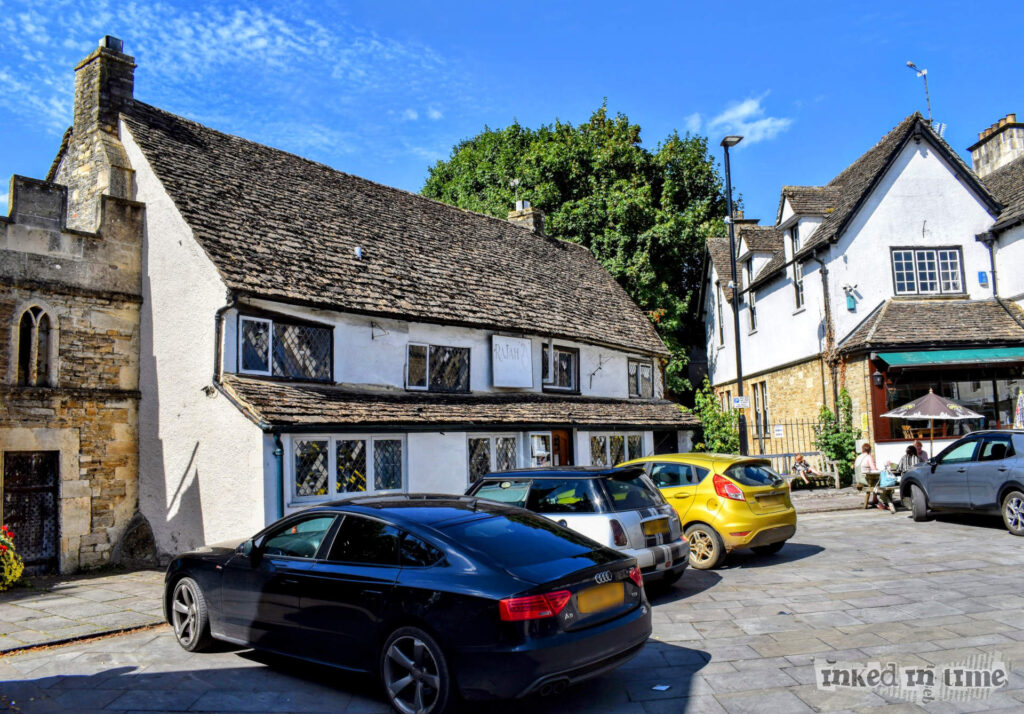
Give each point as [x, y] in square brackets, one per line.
[731, 140]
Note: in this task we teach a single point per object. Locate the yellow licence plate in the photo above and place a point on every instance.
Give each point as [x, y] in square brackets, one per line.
[600, 598]
[770, 500]
[656, 527]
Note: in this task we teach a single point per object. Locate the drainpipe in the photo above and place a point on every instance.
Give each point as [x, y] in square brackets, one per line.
[989, 239]
[218, 350]
[830, 335]
[279, 456]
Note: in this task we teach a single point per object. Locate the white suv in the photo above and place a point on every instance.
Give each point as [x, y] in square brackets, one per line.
[619, 508]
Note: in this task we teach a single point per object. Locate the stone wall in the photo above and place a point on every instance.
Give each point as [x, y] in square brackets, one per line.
[89, 286]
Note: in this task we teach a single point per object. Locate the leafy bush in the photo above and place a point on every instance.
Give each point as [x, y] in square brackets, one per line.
[720, 427]
[11, 566]
[836, 437]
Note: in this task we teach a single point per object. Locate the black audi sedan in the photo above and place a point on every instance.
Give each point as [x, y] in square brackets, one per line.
[442, 596]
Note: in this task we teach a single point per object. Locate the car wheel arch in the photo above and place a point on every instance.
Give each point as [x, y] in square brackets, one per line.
[404, 619]
[1006, 488]
[906, 489]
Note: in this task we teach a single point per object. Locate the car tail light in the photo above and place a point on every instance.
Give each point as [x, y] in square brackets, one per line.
[636, 576]
[727, 489]
[533, 607]
[618, 534]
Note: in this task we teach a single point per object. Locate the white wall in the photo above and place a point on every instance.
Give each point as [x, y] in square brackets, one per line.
[919, 202]
[1009, 259]
[200, 460]
[374, 356]
[438, 462]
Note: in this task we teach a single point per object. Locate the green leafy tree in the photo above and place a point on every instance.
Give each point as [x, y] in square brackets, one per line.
[720, 427]
[644, 214]
[836, 436]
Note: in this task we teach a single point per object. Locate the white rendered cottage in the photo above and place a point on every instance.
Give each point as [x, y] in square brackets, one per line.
[306, 334]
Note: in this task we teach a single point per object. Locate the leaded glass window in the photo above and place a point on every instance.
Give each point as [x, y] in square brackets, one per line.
[350, 463]
[617, 449]
[599, 451]
[449, 369]
[641, 379]
[255, 345]
[302, 351]
[505, 453]
[312, 470]
[636, 446]
[417, 367]
[479, 458]
[387, 464]
[561, 373]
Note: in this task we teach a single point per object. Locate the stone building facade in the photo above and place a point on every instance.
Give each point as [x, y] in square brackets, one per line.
[70, 297]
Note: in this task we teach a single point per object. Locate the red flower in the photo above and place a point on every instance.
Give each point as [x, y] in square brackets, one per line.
[3, 547]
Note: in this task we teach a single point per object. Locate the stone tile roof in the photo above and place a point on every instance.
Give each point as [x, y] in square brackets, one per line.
[718, 248]
[1007, 183]
[282, 227]
[760, 239]
[809, 200]
[853, 185]
[937, 323]
[296, 404]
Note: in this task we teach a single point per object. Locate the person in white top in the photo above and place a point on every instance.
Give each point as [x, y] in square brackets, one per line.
[864, 462]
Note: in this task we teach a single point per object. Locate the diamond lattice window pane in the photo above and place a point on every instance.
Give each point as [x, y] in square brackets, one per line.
[311, 467]
[418, 366]
[646, 381]
[565, 372]
[633, 366]
[387, 464]
[302, 351]
[636, 446]
[350, 459]
[506, 449]
[479, 458]
[255, 346]
[617, 446]
[449, 369]
[598, 450]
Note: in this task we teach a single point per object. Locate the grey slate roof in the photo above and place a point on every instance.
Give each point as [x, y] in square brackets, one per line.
[937, 323]
[1007, 183]
[296, 404]
[718, 248]
[282, 227]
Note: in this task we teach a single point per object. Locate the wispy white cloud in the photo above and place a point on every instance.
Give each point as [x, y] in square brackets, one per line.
[748, 119]
[693, 123]
[434, 113]
[410, 115]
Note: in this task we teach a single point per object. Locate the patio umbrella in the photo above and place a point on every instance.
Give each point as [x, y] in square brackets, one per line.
[931, 407]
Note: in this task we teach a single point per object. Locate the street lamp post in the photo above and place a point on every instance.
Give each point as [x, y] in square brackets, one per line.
[726, 143]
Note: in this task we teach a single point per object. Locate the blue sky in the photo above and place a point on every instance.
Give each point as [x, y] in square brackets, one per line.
[383, 90]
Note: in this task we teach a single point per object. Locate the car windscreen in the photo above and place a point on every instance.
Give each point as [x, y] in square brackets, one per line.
[629, 491]
[514, 539]
[753, 475]
[511, 492]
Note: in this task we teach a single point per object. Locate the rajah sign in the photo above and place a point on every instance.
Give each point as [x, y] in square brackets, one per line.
[511, 362]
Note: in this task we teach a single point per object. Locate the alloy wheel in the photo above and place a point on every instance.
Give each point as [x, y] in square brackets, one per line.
[1015, 513]
[701, 546]
[185, 613]
[411, 676]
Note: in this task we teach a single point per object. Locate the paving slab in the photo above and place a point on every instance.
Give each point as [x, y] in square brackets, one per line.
[748, 637]
[58, 609]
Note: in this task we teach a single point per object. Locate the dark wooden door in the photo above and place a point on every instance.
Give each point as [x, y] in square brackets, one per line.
[30, 506]
[561, 447]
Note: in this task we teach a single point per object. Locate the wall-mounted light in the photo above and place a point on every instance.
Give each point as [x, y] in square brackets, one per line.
[878, 378]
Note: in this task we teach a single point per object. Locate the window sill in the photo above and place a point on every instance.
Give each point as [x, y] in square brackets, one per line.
[556, 390]
[931, 296]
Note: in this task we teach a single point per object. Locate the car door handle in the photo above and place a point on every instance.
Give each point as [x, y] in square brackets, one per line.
[1003, 468]
[373, 592]
[960, 471]
[289, 581]
[681, 495]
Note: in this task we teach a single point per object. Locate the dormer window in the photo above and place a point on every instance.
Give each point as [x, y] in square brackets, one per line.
[437, 368]
[278, 348]
[641, 379]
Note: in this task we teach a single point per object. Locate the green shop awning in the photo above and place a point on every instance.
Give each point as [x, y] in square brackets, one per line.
[952, 357]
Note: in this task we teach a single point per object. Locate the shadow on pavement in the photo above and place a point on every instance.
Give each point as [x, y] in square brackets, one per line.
[973, 519]
[285, 684]
[790, 552]
[693, 582]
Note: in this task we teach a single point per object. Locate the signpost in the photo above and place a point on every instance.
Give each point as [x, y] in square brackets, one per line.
[741, 402]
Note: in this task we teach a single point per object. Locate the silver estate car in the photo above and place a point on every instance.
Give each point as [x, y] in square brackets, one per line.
[981, 473]
[617, 507]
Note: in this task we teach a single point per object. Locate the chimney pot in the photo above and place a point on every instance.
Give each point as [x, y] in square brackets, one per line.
[1011, 118]
[112, 43]
[1002, 122]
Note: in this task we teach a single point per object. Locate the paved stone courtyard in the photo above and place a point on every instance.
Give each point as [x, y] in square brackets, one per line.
[855, 586]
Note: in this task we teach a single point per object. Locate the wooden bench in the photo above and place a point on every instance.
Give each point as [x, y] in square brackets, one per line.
[827, 476]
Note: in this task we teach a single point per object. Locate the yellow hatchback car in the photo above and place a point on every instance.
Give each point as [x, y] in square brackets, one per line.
[725, 502]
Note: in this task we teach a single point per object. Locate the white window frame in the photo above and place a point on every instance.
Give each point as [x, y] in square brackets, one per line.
[270, 345]
[294, 500]
[550, 385]
[752, 309]
[635, 383]
[492, 437]
[528, 449]
[608, 445]
[425, 387]
[938, 254]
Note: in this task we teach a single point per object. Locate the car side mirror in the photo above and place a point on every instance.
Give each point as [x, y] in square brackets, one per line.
[933, 463]
[251, 549]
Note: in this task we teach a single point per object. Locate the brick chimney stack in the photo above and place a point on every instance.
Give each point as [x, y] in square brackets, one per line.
[998, 145]
[94, 162]
[527, 216]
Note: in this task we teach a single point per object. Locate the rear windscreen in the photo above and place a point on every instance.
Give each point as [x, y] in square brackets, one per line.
[629, 494]
[519, 539]
[753, 475]
[513, 492]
